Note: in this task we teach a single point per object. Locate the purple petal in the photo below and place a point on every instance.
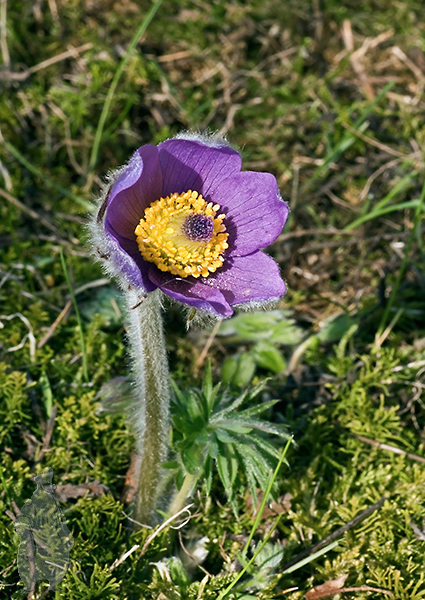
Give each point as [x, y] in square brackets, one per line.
[126, 258]
[253, 278]
[190, 291]
[192, 165]
[139, 185]
[255, 214]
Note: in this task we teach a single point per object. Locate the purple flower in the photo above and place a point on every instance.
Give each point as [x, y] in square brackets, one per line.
[183, 217]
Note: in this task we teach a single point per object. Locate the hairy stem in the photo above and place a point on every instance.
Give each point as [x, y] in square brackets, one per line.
[149, 413]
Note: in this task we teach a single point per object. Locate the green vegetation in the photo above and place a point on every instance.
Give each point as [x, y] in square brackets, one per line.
[326, 95]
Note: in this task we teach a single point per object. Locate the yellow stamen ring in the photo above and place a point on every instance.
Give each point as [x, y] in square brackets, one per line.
[183, 234]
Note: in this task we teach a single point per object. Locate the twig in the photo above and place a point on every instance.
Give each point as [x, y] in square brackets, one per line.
[28, 336]
[71, 53]
[199, 361]
[389, 165]
[54, 325]
[336, 534]
[409, 63]
[186, 551]
[365, 588]
[54, 11]
[16, 508]
[161, 527]
[31, 213]
[175, 56]
[393, 449]
[91, 284]
[411, 365]
[149, 539]
[374, 142]
[356, 56]
[10, 514]
[122, 558]
[68, 137]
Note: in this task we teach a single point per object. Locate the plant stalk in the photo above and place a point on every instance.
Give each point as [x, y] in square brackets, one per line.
[185, 490]
[149, 412]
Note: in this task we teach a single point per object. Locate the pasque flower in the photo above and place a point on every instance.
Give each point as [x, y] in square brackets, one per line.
[184, 218]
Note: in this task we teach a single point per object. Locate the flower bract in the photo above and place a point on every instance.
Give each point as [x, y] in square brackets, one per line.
[183, 217]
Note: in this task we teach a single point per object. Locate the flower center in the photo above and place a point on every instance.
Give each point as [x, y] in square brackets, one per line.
[183, 234]
[198, 227]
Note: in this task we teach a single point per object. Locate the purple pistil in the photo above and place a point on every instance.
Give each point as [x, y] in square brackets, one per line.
[198, 228]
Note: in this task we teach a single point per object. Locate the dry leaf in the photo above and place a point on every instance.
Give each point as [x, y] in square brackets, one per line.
[67, 491]
[326, 590]
[131, 479]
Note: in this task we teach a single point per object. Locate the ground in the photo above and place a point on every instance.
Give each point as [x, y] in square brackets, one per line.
[327, 96]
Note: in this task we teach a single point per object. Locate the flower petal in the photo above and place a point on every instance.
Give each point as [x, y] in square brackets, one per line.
[127, 260]
[252, 278]
[255, 213]
[192, 165]
[139, 185]
[192, 292]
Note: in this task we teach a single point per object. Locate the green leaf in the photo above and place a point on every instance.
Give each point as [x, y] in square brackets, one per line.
[335, 327]
[226, 437]
[229, 408]
[234, 426]
[238, 443]
[194, 411]
[268, 357]
[266, 446]
[207, 385]
[238, 370]
[274, 325]
[208, 474]
[287, 333]
[190, 460]
[259, 408]
[227, 467]
[223, 471]
[179, 479]
[249, 326]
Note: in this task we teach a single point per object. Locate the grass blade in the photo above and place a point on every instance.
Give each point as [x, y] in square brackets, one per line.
[249, 563]
[267, 491]
[107, 105]
[416, 220]
[383, 211]
[396, 189]
[24, 162]
[308, 559]
[349, 139]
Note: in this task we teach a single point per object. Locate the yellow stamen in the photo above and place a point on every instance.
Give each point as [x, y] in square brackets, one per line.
[183, 234]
